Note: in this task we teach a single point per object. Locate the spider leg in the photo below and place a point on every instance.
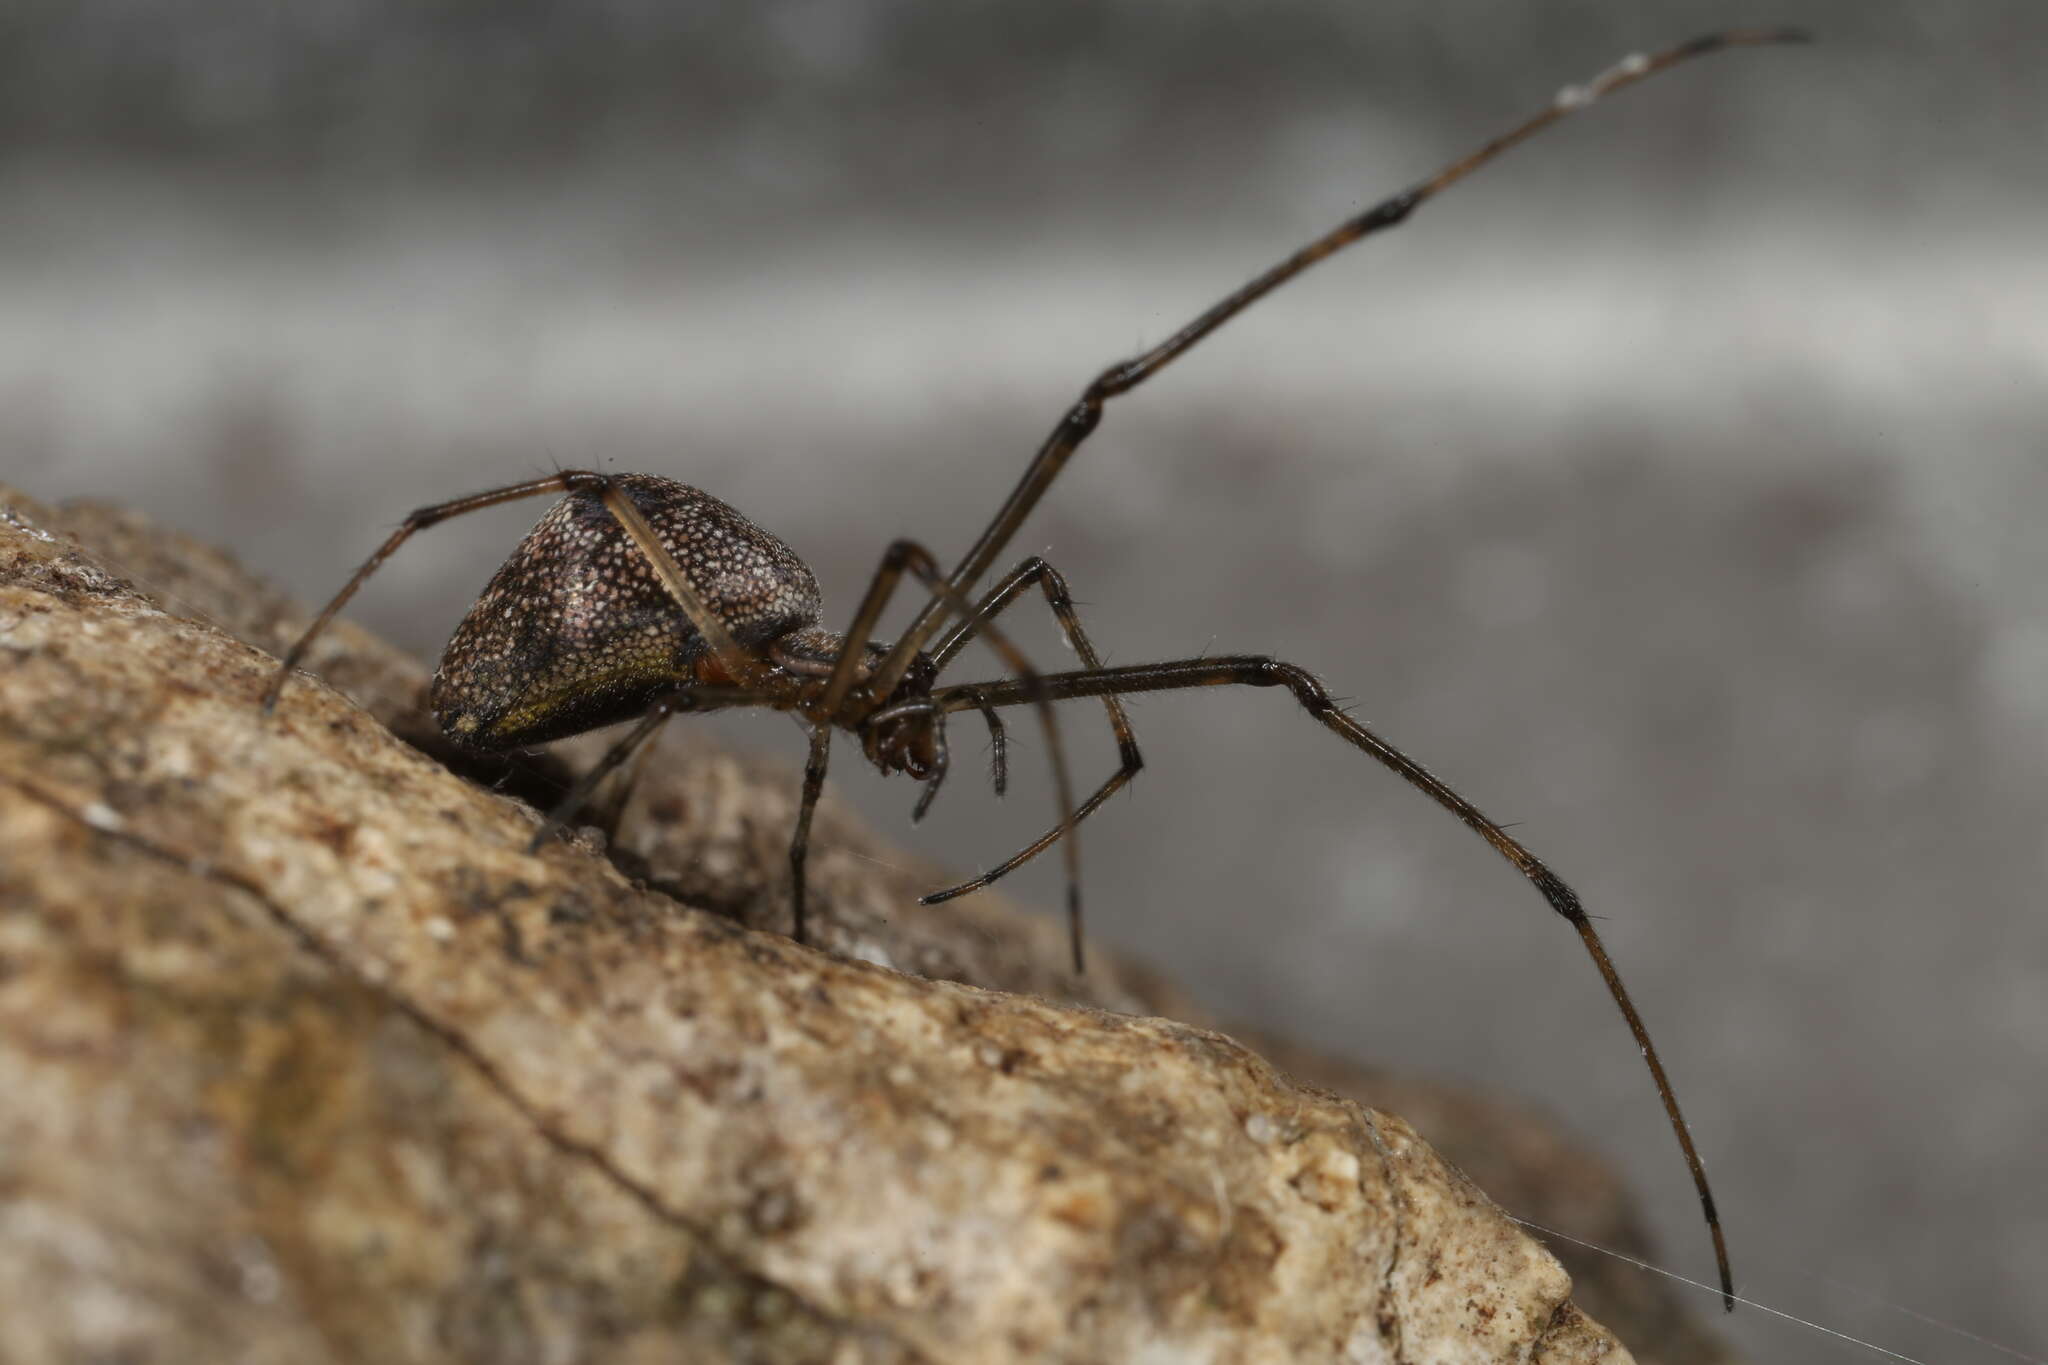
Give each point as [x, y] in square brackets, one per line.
[800, 838]
[908, 556]
[999, 761]
[642, 731]
[1082, 418]
[1257, 671]
[1036, 571]
[417, 520]
[737, 661]
[943, 762]
[702, 698]
[999, 750]
[610, 813]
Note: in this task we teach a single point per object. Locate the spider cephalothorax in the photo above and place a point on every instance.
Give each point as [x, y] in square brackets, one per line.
[637, 596]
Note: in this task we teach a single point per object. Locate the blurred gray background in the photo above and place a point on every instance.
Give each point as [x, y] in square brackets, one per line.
[1673, 488]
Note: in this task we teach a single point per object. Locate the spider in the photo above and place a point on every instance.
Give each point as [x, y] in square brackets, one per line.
[639, 597]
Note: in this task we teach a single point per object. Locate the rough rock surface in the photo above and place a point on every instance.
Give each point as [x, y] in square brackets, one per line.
[303, 1057]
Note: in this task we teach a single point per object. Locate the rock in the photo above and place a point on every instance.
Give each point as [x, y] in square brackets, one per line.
[303, 1057]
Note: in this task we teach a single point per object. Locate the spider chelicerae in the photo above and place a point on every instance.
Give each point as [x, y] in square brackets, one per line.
[637, 597]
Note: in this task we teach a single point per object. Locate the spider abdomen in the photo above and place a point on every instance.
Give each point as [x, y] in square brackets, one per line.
[575, 631]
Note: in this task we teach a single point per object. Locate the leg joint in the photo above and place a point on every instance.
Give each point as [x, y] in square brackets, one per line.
[1298, 680]
[1054, 583]
[1086, 415]
[902, 552]
[585, 481]
[1390, 212]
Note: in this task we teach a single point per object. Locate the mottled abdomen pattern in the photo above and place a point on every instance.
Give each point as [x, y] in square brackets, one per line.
[576, 631]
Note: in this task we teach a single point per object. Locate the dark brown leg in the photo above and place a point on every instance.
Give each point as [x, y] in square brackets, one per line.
[1125, 375]
[682, 699]
[417, 520]
[800, 838]
[999, 762]
[1257, 671]
[1036, 571]
[999, 753]
[609, 814]
[645, 729]
[737, 662]
[942, 765]
[908, 556]
[565, 810]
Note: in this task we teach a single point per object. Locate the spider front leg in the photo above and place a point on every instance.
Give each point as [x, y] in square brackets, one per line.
[907, 556]
[1036, 571]
[1258, 671]
[1081, 419]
